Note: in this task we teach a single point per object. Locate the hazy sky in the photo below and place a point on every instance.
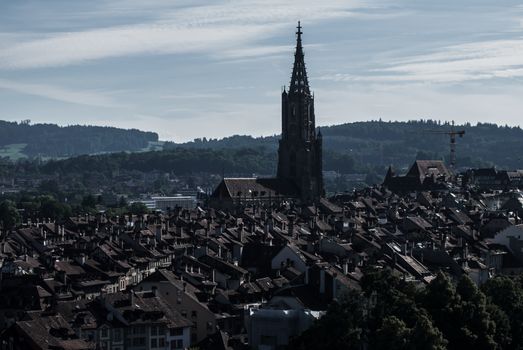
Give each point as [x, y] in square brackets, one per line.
[189, 69]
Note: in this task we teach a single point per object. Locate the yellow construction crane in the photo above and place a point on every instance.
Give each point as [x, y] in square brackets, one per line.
[452, 133]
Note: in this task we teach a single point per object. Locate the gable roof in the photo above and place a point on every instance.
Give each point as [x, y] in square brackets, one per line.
[254, 187]
[427, 168]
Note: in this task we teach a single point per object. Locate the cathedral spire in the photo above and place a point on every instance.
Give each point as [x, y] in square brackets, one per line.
[300, 148]
[299, 81]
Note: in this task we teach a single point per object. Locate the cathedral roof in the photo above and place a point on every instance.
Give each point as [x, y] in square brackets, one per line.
[256, 188]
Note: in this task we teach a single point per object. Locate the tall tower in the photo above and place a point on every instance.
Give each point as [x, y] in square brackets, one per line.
[300, 148]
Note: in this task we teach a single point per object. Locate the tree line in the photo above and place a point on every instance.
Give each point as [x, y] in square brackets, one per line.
[50, 140]
[391, 313]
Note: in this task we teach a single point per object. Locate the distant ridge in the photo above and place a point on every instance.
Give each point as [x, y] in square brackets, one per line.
[358, 147]
[381, 143]
[22, 139]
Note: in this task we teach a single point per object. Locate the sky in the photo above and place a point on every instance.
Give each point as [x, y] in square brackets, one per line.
[189, 69]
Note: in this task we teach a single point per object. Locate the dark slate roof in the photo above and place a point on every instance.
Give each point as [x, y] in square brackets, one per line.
[217, 341]
[53, 331]
[259, 255]
[253, 187]
[427, 168]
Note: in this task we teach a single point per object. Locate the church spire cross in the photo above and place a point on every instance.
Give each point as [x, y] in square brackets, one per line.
[299, 32]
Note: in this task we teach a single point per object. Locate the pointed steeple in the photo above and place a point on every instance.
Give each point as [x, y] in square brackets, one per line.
[300, 148]
[299, 81]
[390, 174]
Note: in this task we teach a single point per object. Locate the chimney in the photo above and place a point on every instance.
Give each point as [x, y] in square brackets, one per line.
[158, 233]
[240, 232]
[465, 251]
[322, 281]
[291, 225]
[345, 267]
[443, 241]
[307, 276]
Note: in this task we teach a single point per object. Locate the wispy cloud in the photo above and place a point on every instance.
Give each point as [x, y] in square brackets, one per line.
[453, 64]
[191, 96]
[89, 98]
[231, 27]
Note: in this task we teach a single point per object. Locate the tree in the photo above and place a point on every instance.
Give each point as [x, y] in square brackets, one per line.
[393, 334]
[89, 202]
[425, 336]
[341, 328]
[9, 215]
[477, 328]
[138, 208]
[506, 297]
[52, 209]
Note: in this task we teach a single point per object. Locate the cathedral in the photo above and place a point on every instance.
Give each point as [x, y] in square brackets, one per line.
[299, 175]
[299, 153]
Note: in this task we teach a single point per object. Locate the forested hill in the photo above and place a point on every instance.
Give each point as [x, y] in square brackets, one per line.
[359, 147]
[377, 143]
[23, 139]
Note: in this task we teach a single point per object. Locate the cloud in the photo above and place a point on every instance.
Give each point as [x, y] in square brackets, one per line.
[452, 64]
[74, 48]
[89, 98]
[196, 96]
[256, 51]
[334, 106]
[234, 28]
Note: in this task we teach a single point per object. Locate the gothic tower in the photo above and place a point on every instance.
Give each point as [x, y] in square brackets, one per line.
[300, 149]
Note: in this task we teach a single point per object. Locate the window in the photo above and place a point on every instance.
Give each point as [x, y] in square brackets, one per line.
[194, 314]
[103, 333]
[161, 342]
[268, 340]
[154, 330]
[210, 327]
[184, 313]
[179, 344]
[117, 335]
[139, 341]
[176, 332]
[154, 343]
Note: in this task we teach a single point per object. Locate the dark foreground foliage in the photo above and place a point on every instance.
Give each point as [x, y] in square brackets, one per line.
[389, 313]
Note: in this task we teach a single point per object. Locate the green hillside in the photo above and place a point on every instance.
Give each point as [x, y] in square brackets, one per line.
[22, 140]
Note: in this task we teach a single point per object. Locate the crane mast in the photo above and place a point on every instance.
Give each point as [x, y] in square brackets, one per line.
[452, 134]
